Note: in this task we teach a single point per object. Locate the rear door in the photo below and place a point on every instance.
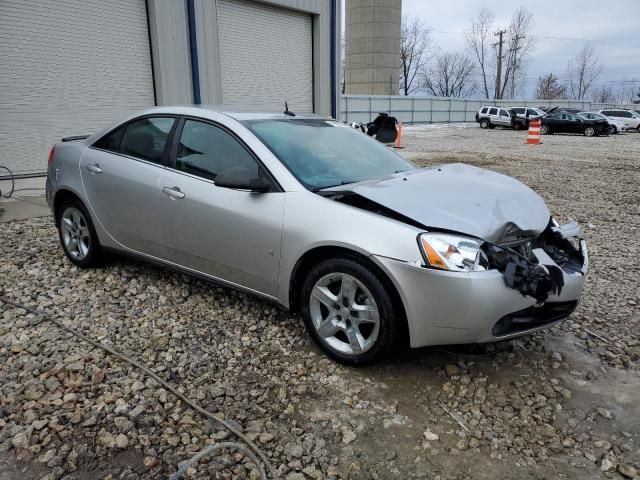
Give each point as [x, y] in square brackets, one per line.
[233, 235]
[503, 119]
[121, 174]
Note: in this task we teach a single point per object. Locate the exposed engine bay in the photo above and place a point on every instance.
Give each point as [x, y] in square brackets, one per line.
[522, 266]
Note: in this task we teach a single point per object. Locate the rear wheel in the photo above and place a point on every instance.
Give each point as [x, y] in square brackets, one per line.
[77, 235]
[517, 126]
[484, 123]
[349, 311]
[589, 131]
[545, 130]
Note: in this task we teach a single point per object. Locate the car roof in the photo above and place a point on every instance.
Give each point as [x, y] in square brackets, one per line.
[239, 113]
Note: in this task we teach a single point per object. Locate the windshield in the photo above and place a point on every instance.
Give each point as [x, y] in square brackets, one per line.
[326, 153]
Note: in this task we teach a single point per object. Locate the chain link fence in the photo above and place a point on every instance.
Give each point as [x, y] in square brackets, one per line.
[364, 108]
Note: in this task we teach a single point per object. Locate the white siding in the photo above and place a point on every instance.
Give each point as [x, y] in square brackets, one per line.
[266, 55]
[68, 68]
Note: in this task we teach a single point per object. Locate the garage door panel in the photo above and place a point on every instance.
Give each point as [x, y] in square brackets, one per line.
[70, 67]
[265, 55]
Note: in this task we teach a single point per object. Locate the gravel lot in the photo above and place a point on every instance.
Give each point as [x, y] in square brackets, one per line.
[563, 403]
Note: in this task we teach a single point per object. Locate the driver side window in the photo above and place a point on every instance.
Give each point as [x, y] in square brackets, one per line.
[206, 151]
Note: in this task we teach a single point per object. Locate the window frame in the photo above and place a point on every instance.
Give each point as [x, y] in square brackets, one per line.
[494, 113]
[174, 143]
[125, 125]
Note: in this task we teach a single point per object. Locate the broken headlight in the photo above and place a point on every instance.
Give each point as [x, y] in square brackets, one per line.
[452, 252]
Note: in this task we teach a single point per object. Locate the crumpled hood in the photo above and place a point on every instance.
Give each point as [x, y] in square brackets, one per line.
[461, 198]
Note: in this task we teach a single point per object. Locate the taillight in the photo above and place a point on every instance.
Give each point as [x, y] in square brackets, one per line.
[52, 154]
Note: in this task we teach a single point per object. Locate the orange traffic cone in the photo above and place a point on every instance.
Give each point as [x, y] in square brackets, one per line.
[399, 139]
[533, 137]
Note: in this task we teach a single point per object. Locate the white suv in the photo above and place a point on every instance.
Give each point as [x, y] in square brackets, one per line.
[627, 116]
[490, 117]
[528, 113]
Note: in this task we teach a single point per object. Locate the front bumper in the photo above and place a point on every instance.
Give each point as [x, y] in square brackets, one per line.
[445, 307]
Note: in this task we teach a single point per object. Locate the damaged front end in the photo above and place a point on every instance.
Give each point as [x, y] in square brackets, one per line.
[537, 267]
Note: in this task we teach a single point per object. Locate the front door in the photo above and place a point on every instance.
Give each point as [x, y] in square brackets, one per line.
[233, 235]
[121, 174]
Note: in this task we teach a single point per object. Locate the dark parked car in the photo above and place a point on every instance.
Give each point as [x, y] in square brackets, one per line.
[561, 122]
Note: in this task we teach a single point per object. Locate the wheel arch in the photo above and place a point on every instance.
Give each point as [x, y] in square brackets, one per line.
[60, 196]
[320, 253]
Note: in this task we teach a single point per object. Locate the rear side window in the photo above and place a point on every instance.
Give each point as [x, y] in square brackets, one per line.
[625, 114]
[493, 111]
[146, 138]
[484, 110]
[110, 142]
[206, 150]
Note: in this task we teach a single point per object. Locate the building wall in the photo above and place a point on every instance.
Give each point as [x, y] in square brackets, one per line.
[372, 60]
[170, 51]
[172, 67]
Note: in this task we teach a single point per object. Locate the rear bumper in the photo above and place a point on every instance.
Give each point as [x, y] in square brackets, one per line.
[455, 307]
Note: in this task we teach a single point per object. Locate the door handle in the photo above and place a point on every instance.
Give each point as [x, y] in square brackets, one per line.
[94, 168]
[173, 192]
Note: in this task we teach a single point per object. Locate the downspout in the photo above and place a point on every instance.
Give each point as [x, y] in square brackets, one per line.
[193, 52]
[334, 113]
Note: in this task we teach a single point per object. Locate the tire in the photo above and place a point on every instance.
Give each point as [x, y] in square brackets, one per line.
[78, 236]
[612, 130]
[638, 129]
[546, 130]
[491, 126]
[589, 131]
[334, 324]
[517, 126]
[484, 123]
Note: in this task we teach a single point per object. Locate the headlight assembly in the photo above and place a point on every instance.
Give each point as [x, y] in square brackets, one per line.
[452, 252]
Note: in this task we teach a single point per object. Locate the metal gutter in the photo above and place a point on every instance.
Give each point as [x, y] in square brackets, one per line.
[334, 113]
[193, 52]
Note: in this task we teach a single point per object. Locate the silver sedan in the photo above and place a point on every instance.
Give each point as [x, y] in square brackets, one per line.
[319, 218]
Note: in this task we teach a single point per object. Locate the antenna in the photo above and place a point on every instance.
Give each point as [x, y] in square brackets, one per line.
[287, 111]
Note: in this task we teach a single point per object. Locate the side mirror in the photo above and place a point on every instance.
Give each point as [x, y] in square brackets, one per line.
[242, 178]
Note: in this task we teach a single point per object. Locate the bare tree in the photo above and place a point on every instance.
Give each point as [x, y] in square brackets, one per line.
[450, 76]
[550, 88]
[604, 94]
[582, 71]
[519, 46]
[478, 38]
[416, 49]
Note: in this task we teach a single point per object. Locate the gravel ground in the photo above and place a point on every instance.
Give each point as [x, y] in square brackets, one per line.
[562, 403]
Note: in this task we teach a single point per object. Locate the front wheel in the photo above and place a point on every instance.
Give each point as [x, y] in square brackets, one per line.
[77, 235]
[612, 130]
[349, 311]
[589, 131]
[545, 130]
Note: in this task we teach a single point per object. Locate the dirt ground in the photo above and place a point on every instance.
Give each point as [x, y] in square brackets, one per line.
[559, 404]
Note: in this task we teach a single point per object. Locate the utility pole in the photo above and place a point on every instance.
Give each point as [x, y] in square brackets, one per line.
[499, 63]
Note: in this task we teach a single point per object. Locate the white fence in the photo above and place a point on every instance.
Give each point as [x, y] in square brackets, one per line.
[364, 108]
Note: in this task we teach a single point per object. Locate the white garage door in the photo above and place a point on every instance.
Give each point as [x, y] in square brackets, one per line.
[266, 55]
[69, 67]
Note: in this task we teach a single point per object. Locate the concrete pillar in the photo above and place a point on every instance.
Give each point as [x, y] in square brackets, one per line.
[372, 47]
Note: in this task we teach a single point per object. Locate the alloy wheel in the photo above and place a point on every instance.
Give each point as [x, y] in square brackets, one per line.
[344, 313]
[545, 129]
[75, 233]
[589, 131]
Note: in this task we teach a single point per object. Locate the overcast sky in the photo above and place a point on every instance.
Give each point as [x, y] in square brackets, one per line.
[561, 28]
